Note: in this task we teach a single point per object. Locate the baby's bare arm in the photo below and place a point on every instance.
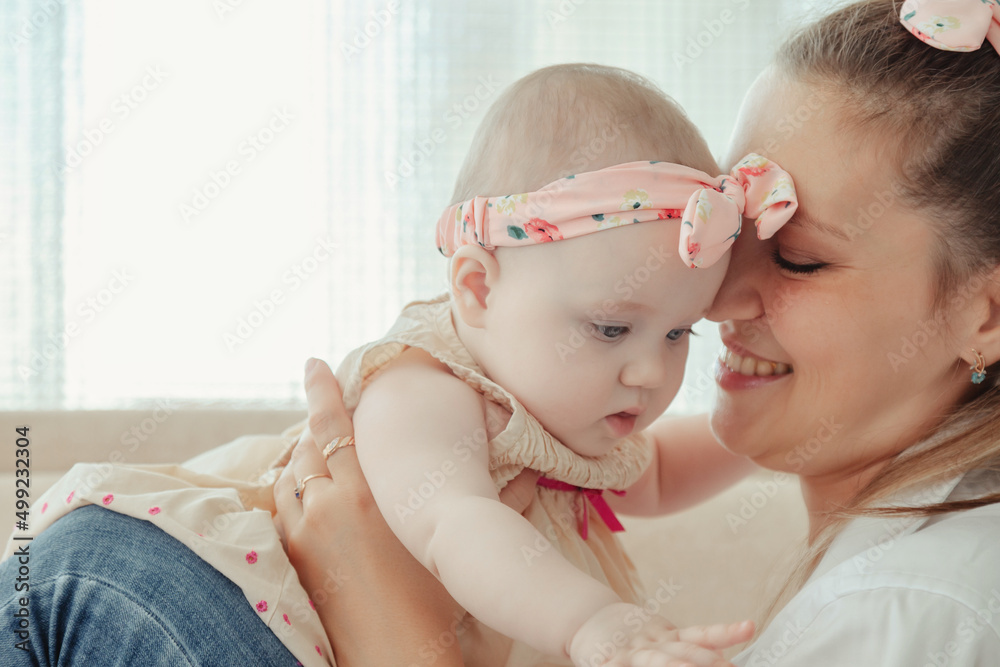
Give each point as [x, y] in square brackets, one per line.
[689, 466]
[421, 442]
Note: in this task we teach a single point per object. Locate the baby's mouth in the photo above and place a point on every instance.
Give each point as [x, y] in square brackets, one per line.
[752, 366]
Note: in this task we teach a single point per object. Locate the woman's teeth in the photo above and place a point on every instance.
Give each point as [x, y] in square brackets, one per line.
[751, 365]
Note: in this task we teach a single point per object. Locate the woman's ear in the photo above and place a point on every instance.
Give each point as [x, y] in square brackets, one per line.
[474, 270]
[986, 338]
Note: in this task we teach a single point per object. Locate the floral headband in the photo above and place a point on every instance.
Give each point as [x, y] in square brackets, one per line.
[953, 25]
[709, 207]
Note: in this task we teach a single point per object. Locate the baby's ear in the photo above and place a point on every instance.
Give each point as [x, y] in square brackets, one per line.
[473, 271]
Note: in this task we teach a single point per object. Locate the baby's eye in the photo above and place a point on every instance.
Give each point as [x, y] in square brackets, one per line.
[677, 334]
[609, 331]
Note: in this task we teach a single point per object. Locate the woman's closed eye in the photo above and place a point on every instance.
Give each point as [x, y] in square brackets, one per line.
[792, 267]
[609, 332]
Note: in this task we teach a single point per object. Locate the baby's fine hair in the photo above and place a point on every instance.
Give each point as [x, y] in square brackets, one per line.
[573, 118]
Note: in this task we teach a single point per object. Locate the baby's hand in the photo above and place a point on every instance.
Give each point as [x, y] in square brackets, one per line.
[625, 635]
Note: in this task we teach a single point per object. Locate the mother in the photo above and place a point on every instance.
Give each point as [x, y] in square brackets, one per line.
[882, 298]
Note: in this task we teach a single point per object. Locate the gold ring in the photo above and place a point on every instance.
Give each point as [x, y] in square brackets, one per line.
[337, 443]
[300, 486]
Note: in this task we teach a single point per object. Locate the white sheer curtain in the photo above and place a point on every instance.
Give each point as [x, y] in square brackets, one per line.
[199, 195]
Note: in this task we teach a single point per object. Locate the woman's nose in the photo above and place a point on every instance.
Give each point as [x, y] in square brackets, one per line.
[739, 298]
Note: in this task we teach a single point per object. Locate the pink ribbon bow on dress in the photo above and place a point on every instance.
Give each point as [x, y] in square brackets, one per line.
[710, 207]
[593, 497]
[953, 25]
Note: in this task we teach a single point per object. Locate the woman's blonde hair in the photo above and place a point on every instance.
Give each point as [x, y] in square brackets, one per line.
[936, 114]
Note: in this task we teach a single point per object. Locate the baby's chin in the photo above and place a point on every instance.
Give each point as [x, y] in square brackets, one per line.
[590, 445]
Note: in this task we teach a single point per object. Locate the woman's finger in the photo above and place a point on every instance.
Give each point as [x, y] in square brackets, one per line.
[307, 466]
[289, 509]
[328, 417]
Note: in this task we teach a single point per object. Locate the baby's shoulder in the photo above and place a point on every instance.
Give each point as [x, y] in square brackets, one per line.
[419, 373]
[416, 362]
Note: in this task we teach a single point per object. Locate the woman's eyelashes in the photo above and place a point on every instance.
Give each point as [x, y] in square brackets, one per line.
[792, 267]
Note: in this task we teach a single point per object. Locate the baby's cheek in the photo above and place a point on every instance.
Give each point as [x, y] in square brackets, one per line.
[673, 384]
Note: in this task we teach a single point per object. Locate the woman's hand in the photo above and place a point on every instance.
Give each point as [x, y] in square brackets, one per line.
[377, 603]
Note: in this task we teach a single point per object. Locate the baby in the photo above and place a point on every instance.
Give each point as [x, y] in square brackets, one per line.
[564, 336]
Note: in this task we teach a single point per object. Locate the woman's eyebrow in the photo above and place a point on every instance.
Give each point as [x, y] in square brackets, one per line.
[805, 220]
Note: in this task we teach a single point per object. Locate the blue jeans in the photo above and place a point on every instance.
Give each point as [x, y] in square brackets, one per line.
[107, 589]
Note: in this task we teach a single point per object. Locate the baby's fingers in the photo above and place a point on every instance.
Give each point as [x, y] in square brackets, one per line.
[676, 654]
[717, 636]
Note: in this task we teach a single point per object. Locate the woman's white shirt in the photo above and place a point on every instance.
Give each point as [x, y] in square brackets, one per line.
[899, 591]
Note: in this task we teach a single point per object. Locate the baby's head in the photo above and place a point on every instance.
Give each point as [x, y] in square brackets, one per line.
[569, 119]
[590, 332]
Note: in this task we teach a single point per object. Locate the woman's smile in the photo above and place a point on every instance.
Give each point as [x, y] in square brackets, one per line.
[738, 368]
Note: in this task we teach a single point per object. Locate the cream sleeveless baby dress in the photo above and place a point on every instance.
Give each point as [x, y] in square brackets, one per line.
[219, 504]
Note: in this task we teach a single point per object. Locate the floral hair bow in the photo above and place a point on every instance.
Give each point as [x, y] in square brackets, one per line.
[953, 25]
[756, 188]
[709, 207]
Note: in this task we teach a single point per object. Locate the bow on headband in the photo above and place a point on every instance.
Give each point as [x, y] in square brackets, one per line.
[953, 25]
[710, 208]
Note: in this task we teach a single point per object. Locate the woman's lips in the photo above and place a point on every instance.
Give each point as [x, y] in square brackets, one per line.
[622, 423]
[744, 371]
